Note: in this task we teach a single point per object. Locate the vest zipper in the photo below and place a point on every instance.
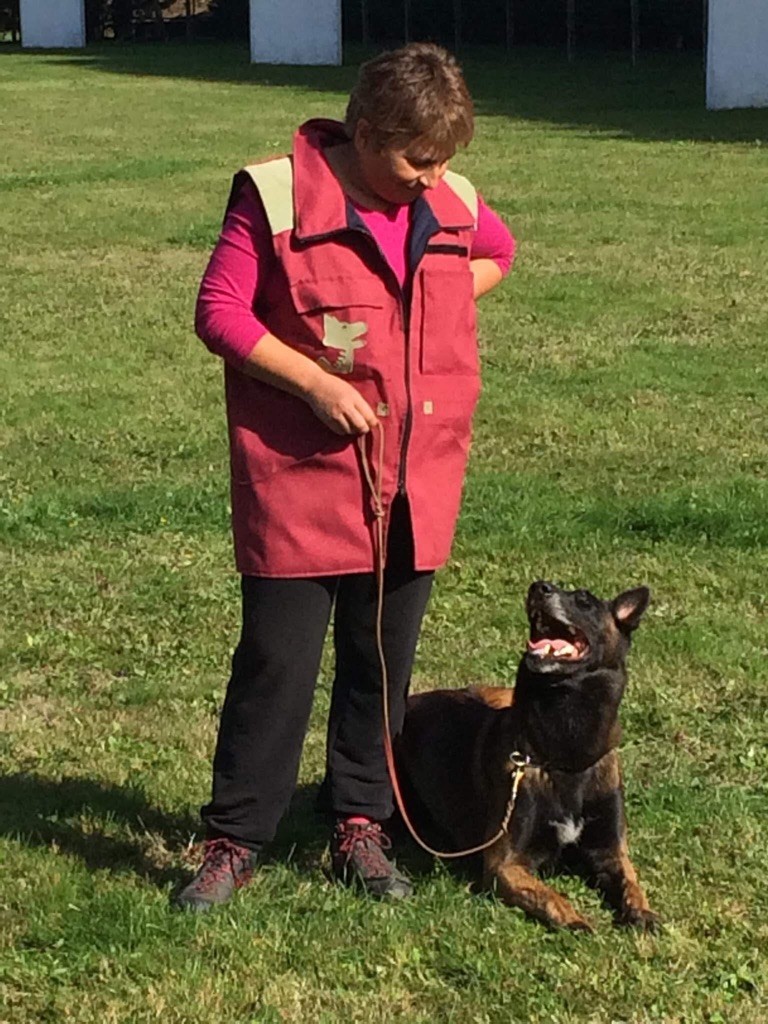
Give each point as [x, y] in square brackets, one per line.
[406, 322]
[408, 423]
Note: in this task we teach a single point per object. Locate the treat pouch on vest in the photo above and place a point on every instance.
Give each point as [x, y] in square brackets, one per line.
[300, 504]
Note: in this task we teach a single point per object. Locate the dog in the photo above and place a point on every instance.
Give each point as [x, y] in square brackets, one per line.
[561, 722]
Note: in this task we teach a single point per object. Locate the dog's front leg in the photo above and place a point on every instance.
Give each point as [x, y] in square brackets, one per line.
[516, 885]
[614, 875]
[604, 849]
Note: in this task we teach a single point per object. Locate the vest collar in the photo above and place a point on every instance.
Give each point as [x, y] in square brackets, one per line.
[448, 210]
[319, 203]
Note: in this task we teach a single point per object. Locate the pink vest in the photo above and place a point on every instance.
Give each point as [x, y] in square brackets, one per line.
[300, 506]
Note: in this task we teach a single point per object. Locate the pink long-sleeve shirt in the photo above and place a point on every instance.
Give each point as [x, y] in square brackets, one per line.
[225, 318]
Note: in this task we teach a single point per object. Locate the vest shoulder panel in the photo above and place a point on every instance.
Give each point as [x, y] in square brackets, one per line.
[465, 190]
[274, 181]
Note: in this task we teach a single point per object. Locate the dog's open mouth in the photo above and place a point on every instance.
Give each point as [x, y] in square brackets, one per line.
[551, 638]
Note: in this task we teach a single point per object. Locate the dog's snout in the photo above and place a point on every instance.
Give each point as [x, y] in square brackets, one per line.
[541, 589]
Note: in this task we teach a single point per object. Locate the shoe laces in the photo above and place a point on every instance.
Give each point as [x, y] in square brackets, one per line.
[224, 858]
[366, 843]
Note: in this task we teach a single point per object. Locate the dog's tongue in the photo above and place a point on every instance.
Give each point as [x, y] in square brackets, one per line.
[554, 643]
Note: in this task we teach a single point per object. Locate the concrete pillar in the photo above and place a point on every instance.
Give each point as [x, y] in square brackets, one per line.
[737, 54]
[296, 31]
[52, 23]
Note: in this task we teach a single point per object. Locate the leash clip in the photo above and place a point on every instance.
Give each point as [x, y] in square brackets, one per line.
[519, 763]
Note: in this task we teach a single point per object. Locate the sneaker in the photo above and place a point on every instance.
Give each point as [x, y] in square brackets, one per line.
[226, 866]
[358, 856]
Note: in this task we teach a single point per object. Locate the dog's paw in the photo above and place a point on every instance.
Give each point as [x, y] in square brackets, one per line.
[580, 924]
[642, 920]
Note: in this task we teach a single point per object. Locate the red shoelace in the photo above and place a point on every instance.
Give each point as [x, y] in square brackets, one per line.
[366, 843]
[224, 858]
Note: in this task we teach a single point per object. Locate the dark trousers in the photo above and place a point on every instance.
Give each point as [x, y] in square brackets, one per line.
[274, 670]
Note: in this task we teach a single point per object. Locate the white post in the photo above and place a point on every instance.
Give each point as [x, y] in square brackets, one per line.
[52, 23]
[296, 31]
[737, 54]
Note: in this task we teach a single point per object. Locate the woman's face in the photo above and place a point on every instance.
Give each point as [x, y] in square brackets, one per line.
[397, 175]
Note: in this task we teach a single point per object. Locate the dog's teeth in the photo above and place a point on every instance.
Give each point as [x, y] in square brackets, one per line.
[566, 651]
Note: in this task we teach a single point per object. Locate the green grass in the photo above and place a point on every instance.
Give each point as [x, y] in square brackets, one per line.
[622, 438]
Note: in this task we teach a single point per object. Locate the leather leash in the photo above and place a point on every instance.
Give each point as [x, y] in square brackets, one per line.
[518, 762]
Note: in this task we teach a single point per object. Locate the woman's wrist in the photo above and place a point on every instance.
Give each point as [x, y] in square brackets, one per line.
[278, 364]
[308, 378]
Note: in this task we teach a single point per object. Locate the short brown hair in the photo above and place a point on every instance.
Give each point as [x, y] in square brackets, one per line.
[415, 92]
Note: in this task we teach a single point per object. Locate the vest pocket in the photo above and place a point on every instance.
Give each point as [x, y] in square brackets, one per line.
[448, 323]
[272, 431]
[345, 318]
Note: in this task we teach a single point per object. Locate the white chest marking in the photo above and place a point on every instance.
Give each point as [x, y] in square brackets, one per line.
[568, 831]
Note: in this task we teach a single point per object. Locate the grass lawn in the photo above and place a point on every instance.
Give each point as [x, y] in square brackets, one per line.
[622, 438]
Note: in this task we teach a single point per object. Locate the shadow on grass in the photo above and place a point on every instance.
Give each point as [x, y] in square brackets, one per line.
[78, 816]
[116, 828]
[662, 99]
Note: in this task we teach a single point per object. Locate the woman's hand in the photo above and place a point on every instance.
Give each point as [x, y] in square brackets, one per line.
[333, 400]
[340, 406]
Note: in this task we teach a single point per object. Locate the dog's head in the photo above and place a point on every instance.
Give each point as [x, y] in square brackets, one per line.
[572, 631]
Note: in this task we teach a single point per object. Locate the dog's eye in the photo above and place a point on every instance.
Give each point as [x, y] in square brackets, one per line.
[583, 598]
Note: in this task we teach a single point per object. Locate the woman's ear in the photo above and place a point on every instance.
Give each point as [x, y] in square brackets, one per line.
[361, 137]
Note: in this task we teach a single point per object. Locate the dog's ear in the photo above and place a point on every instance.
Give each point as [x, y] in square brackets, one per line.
[628, 608]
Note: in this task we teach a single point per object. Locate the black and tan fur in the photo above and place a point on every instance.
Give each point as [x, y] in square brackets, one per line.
[454, 754]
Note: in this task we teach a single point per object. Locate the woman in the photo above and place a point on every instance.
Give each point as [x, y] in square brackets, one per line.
[341, 296]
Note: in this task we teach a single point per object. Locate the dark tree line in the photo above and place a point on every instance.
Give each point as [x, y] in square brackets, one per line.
[587, 24]
[9, 21]
[143, 19]
[570, 24]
